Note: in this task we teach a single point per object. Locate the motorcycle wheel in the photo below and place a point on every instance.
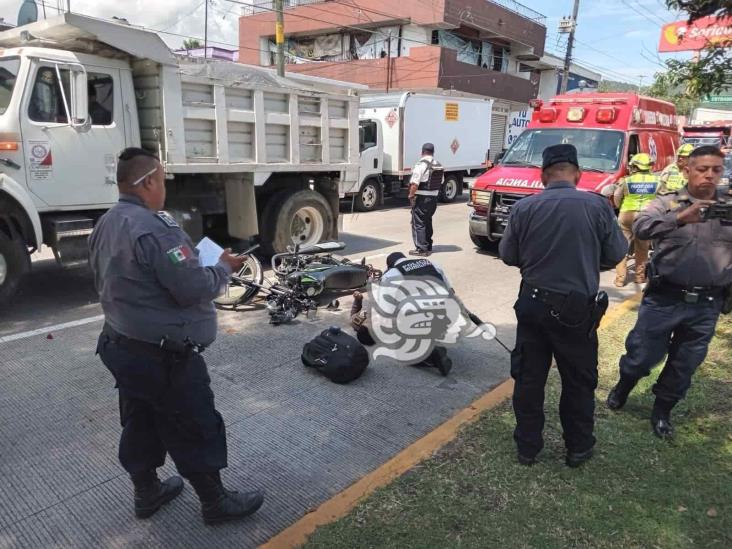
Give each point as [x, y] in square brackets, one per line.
[237, 294]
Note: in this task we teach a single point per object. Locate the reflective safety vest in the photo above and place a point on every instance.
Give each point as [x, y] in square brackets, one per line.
[641, 189]
[675, 179]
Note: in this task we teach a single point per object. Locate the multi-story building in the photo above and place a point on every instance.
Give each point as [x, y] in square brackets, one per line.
[476, 47]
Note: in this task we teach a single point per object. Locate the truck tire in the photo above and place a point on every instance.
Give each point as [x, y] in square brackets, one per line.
[450, 188]
[14, 263]
[303, 217]
[483, 243]
[368, 196]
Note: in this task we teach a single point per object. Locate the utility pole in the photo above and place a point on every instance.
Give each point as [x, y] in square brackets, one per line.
[640, 85]
[570, 44]
[388, 62]
[68, 6]
[280, 37]
[205, 31]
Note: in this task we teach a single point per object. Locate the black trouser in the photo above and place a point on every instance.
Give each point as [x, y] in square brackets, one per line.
[540, 336]
[422, 212]
[165, 405]
[668, 325]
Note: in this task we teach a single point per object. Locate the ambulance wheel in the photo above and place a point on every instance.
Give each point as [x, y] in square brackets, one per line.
[14, 263]
[483, 243]
[450, 188]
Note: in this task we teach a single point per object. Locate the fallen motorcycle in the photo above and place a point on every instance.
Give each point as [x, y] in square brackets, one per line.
[306, 277]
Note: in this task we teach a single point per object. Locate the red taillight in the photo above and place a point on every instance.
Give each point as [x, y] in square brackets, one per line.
[547, 115]
[606, 115]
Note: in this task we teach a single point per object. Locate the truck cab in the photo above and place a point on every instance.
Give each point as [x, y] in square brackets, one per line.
[371, 147]
[606, 128]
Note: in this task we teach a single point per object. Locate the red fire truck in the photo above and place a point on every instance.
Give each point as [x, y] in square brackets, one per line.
[607, 129]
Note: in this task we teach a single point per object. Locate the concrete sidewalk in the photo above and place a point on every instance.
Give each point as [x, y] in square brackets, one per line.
[294, 434]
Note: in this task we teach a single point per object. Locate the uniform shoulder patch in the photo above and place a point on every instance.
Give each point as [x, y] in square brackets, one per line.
[166, 218]
[179, 254]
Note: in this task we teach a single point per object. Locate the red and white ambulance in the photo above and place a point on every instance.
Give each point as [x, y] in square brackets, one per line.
[607, 129]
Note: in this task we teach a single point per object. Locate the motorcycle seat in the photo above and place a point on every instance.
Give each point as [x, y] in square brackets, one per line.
[323, 247]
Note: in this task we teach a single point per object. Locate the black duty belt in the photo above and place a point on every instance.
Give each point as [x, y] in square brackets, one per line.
[694, 294]
[554, 299]
[166, 346]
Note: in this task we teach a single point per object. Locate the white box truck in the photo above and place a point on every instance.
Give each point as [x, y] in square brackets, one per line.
[393, 128]
[247, 154]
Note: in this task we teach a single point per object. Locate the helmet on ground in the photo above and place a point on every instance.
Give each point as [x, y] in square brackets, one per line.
[685, 150]
[642, 162]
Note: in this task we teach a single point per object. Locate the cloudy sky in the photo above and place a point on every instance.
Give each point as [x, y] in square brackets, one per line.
[617, 38]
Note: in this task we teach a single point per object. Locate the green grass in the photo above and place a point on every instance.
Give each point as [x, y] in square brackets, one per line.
[638, 491]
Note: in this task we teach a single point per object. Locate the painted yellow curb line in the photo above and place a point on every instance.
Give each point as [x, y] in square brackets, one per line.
[341, 504]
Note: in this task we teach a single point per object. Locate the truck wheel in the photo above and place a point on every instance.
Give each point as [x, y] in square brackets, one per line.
[14, 263]
[303, 217]
[368, 197]
[483, 243]
[450, 188]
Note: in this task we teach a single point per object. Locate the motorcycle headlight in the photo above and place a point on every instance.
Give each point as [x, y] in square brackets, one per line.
[311, 291]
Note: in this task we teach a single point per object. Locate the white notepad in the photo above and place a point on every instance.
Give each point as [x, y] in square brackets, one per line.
[209, 252]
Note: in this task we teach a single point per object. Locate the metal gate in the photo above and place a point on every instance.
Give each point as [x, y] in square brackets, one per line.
[498, 134]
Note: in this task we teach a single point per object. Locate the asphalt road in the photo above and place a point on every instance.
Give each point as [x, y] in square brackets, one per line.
[291, 432]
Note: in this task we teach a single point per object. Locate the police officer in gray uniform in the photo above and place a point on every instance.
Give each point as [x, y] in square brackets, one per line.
[559, 238]
[690, 277]
[159, 317]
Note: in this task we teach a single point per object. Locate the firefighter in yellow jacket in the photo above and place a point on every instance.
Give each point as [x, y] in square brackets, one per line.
[672, 177]
[632, 195]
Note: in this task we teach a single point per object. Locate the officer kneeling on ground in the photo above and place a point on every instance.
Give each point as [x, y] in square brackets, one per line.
[399, 266]
[559, 238]
[159, 317]
[689, 280]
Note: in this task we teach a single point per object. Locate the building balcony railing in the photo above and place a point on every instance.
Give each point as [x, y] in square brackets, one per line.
[260, 6]
[520, 9]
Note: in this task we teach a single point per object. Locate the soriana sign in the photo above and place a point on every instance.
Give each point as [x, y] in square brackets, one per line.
[704, 32]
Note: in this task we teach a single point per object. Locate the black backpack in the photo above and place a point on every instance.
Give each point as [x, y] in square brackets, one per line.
[337, 355]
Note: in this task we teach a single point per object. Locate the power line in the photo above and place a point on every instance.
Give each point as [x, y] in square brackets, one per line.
[184, 16]
[646, 17]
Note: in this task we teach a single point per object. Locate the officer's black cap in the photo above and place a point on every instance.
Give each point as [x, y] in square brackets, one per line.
[392, 258]
[557, 154]
[428, 147]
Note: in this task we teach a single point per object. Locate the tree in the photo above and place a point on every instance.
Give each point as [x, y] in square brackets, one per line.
[615, 86]
[711, 73]
[663, 89]
[191, 44]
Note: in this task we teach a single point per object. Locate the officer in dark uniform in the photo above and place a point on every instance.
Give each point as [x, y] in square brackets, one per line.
[159, 317]
[691, 272]
[559, 239]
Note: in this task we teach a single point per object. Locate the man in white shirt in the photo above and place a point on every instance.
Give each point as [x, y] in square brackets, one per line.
[424, 188]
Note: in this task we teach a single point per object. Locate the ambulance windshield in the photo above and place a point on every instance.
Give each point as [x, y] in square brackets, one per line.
[597, 150]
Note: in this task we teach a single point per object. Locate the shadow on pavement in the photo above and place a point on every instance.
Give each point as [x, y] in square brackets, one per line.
[47, 295]
[358, 244]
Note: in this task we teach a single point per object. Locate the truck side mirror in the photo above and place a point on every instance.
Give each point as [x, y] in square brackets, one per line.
[79, 101]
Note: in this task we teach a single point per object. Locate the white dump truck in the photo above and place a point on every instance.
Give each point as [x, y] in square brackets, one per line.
[393, 128]
[247, 154]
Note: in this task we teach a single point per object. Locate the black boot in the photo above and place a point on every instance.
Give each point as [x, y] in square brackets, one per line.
[219, 504]
[661, 418]
[151, 494]
[575, 459]
[439, 359]
[619, 394]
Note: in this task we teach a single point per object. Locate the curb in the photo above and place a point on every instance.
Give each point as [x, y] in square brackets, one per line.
[342, 503]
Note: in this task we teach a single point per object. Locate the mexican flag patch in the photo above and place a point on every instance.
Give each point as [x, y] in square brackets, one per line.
[179, 254]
